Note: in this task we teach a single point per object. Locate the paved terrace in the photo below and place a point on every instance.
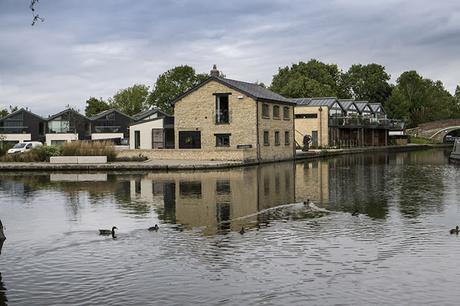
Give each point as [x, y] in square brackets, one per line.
[182, 165]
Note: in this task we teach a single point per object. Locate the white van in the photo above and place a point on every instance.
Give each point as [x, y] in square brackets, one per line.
[24, 146]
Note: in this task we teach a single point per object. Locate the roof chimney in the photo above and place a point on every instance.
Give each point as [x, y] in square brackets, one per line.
[214, 71]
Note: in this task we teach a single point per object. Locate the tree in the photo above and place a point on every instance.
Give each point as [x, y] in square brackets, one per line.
[368, 82]
[417, 100]
[171, 84]
[95, 106]
[312, 79]
[131, 100]
[6, 111]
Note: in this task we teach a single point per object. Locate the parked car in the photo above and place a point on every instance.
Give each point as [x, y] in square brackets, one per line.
[24, 147]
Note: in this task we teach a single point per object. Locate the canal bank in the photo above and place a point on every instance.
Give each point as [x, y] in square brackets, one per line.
[181, 165]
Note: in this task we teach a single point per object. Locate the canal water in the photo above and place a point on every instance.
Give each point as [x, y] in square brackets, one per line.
[377, 233]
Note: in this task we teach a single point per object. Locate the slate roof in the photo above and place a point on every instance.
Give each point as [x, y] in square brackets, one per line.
[375, 107]
[66, 111]
[106, 112]
[22, 110]
[252, 90]
[346, 104]
[323, 101]
[361, 105]
[147, 113]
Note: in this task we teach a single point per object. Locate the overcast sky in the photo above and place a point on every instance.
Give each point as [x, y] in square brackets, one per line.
[93, 48]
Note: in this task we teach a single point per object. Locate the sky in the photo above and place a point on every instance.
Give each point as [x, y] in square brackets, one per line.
[90, 48]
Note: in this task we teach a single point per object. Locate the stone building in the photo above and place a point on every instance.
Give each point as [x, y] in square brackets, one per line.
[226, 119]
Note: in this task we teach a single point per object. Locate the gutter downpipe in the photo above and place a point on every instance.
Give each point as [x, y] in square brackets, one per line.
[257, 132]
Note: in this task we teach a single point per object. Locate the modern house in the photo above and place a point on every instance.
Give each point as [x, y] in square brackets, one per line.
[348, 123]
[233, 120]
[22, 125]
[66, 126]
[157, 133]
[111, 125]
[149, 114]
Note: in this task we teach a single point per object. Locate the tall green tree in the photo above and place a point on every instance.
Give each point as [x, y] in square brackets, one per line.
[131, 100]
[6, 111]
[311, 79]
[417, 100]
[368, 82]
[171, 84]
[95, 106]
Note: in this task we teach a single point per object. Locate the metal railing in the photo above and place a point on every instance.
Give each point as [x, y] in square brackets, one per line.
[366, 122]
[107, 129]
[222, 118]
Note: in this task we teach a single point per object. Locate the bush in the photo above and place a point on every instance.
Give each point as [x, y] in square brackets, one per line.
[87, 148]
[38, 154]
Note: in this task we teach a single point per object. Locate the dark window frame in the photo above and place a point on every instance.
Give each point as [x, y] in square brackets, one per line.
[222, 117]
[277, 138]
[265, 111]
[276, 112]
[266, 138]
[222, 145]
[287, 138]
[286, 113]
[306, 116]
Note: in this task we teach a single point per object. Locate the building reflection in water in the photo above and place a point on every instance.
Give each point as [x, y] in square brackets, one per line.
[221, 201]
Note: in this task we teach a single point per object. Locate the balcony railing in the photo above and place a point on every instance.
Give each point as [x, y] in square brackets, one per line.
[107, 129]
[14, 129]
[365, 122]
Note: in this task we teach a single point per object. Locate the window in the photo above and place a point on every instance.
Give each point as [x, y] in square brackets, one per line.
[276, 111]
[222, 140]
[266, 138]
[223, 187]
[286, 115]
[137, 139]
[277, 138]
[306, 116]
[189, 140]
[222, 109]
[190, 189]
[157, 139]
[287, 139]
[265, 111]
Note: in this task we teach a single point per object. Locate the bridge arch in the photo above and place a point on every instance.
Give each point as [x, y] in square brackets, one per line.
[440, 134]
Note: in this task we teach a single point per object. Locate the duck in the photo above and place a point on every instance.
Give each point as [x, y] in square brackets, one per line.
[154, 228]
[355, 213]
[455, 230]
[306, 202]
[106, 232]
[242, 231]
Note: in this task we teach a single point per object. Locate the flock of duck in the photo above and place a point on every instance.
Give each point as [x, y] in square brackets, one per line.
[107, 232]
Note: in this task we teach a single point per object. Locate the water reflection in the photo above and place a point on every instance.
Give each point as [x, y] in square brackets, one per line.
[3, 298]
[225, 201]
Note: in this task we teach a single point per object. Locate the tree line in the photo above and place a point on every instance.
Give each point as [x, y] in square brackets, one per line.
[412, 98]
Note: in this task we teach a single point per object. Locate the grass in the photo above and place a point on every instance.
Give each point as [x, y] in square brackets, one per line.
[420, 140]
[77, 148]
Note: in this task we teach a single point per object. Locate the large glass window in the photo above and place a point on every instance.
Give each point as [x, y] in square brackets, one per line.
[189, 140]
[59, 126]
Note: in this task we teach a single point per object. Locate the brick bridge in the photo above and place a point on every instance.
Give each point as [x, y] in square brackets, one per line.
[435, 130]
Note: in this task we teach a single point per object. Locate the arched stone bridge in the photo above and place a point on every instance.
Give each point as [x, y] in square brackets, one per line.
[435, 130]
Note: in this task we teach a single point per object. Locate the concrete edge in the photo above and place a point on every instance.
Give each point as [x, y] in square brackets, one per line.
[142, 166]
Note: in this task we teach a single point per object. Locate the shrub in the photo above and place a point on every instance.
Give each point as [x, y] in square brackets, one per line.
[38, 154]
[87, 148]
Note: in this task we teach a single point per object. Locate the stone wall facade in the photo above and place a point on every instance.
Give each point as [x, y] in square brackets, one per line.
[197, 112]
[306, 126]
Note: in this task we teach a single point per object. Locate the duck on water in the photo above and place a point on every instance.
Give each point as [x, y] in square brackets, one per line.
[107, 232]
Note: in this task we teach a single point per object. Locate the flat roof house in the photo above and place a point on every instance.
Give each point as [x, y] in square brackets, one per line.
[22, 125]
[344, 123]
[68, 125]
[157, 133]
[233, 120]
[110, 124]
